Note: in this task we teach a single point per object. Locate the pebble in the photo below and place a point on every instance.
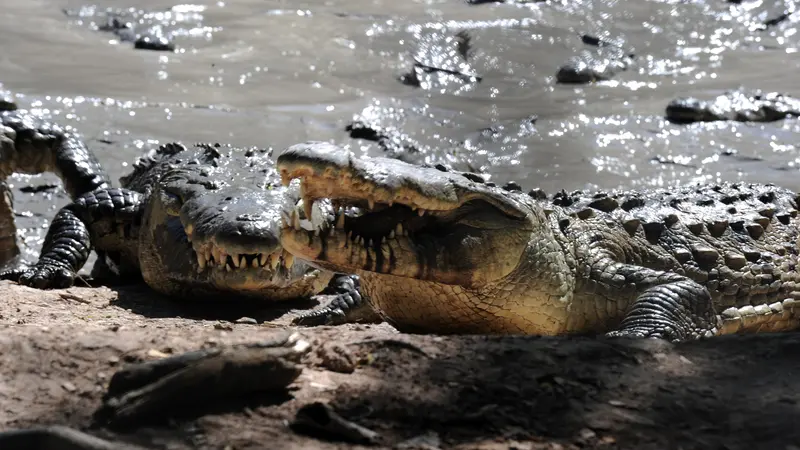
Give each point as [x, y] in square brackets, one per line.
[247, 320]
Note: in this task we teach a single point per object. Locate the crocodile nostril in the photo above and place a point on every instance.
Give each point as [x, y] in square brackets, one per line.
[249, 217]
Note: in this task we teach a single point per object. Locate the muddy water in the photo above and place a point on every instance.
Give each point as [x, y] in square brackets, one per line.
[273, 73]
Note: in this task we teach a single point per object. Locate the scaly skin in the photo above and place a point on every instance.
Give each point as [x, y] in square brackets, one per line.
[445, 252]
[194, 222]
[737, 105]
[31, 145]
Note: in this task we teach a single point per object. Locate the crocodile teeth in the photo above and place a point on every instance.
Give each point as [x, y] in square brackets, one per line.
[201, 260]
[262, 259]
[288, 260]
[371, 203]
[421, 212]
[399, 229]
[295, 220]
[308, 204]
[274, 260]
[391, 234]
[254, 263]
[228, 267]
[216, 255]
[237, 260]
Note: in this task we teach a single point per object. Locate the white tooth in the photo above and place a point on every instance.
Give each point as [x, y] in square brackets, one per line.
[308, 203]
[421, 212]
[262, 259]
[254, 263]
[209, 258]
[288, 260]
[237, 260]
[391, 234]
[399, 229]
[371, 203]
[201, 261]
[391, 202]
[274, 260]
[340, 221]
[295, 220]
[216, 254]
[228, 267]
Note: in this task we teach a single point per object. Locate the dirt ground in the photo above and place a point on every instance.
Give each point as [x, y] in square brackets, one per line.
[58, 350]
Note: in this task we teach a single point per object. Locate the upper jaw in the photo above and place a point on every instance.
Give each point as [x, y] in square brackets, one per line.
[329, 171]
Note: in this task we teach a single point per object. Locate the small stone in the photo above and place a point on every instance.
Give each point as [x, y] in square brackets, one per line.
[113, 360]
[247, 320]
[153, 353]
[69, 387]
[223, 326]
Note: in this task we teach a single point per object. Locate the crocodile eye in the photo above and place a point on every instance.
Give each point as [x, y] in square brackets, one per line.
[172, 203]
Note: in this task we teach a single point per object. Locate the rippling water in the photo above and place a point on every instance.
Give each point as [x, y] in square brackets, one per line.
[274, 73]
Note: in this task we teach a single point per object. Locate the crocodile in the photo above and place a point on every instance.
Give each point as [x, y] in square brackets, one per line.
[443, 251]
[603, 63]
[33, 145]
[147, 30]
[441, 60]
[192, 222]
[739, 105]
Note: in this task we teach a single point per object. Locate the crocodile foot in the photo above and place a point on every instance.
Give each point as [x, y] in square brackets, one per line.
[201, 379]
[42, 275]
[346, 306]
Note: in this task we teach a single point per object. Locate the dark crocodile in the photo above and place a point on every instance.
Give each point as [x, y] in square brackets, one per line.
[145, 29]
[31, 145]
[737, 105]
[602, 63]
[441, 60]
[442, 251]
[194, 222]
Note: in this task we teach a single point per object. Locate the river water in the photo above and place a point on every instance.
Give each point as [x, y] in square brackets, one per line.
[273, 73]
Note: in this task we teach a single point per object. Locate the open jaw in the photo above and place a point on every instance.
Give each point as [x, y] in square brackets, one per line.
[198, 261]
[398, 219]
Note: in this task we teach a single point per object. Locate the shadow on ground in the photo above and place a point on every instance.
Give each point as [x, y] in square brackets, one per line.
[58, 350]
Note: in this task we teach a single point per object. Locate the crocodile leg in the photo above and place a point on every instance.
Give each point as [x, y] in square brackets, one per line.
[32, 145]
[667, 305]
[91, 218]
[346, 306]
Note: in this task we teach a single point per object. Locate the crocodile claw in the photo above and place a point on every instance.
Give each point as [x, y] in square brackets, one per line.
[41, 276]
[346, 306]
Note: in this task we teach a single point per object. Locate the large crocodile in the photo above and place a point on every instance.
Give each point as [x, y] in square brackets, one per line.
[194, 222]
[32, 145]
[738, 105]
[445, 252]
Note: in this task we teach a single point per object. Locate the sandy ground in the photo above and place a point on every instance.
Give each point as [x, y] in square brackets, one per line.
[59, 349]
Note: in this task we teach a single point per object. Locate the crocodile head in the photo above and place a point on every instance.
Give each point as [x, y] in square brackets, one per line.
[212, 225]
[410, 231]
